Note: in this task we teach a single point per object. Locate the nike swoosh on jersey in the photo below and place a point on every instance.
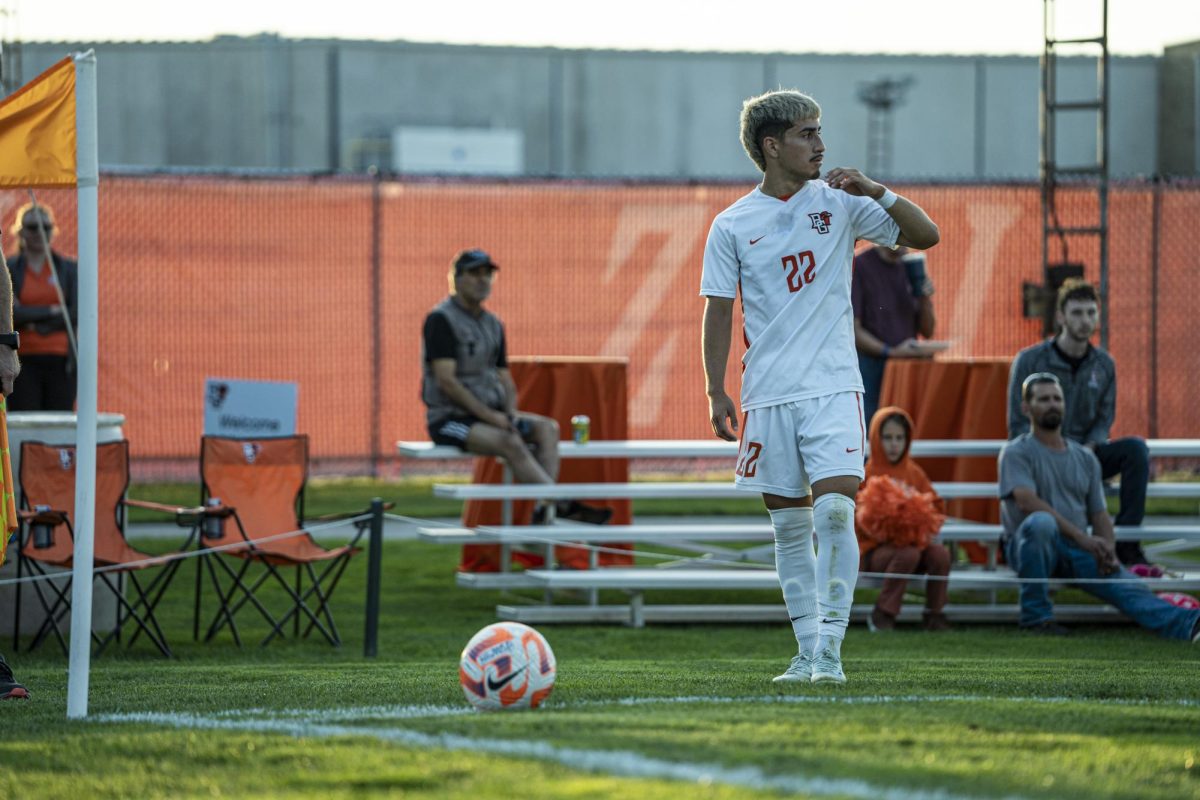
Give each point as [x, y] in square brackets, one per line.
[851, 449]
[500, 684]
[756, 241]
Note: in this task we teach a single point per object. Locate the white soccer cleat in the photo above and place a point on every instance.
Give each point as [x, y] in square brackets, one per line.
[799, 671]
[827, 668]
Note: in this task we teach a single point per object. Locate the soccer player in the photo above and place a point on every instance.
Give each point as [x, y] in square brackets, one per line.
[788, 246]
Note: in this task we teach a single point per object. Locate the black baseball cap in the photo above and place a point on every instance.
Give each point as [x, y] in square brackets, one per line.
[472, 259]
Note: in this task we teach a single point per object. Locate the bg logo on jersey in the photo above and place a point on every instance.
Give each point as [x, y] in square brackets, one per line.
[820, 221]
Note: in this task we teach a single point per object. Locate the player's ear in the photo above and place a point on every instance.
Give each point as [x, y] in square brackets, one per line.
[770, 147]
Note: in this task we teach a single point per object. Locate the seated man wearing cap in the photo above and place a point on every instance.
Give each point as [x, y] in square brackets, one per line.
[470, 396]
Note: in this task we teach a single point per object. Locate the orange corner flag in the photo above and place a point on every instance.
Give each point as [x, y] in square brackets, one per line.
[37, 130]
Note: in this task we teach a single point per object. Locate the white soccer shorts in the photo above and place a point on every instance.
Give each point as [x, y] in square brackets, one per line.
[786, 448]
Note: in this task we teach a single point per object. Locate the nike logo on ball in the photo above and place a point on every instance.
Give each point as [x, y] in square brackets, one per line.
[500, 684]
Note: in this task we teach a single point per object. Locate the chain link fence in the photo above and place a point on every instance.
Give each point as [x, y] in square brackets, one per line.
[325, 280]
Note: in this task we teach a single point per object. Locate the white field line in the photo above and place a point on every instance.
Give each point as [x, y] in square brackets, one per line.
[317, 723]
[400, 712]
[890, 699]
[334, 714]
[605, 762]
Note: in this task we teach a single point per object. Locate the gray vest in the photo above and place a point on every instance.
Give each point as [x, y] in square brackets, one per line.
[478, 348]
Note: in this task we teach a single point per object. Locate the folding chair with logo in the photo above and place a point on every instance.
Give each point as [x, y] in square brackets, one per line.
[48, 540]
[259, 485]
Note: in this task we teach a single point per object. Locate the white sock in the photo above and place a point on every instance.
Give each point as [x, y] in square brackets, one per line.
[833, 643]
[797, 568]
[837, 566]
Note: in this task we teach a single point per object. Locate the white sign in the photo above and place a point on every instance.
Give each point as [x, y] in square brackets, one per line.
[458, 151]
[249, 408]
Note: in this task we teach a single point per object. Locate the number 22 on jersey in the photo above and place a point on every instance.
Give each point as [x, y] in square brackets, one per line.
[801, 269]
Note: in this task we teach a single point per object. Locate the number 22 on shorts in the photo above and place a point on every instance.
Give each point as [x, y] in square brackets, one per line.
[748, 463]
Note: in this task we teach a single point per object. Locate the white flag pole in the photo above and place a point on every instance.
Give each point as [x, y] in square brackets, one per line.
[88, 174]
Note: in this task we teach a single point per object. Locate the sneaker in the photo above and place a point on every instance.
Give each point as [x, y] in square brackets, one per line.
[936, 621]
[827, 668]
[799, 671]
[8, 684]
[1047, 628]
[880, 620]
[579, 512]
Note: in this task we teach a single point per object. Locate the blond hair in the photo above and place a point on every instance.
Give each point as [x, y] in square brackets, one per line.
[47, 213]
[770, 114]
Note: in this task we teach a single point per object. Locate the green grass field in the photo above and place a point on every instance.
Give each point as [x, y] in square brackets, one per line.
[660, 712]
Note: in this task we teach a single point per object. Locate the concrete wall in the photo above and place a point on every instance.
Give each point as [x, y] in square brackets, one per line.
[311, 104]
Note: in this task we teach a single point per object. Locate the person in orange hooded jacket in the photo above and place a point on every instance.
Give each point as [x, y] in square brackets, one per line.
[898, 521]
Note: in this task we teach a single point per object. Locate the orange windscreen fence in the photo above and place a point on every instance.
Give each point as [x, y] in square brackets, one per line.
[325, 281]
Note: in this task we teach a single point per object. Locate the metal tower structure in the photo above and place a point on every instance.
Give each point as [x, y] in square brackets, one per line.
[881, 97]
[10, 49]
[1091, 176]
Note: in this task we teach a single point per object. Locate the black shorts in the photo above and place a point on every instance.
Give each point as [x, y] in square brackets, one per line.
[452, 431]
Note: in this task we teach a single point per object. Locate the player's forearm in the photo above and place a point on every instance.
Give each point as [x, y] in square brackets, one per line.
[715, 342]
[6, 303]
[917, 229]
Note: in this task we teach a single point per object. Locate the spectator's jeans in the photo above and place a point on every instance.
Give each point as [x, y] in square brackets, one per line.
[1130, 458]
[1038, 550]
[872, 376]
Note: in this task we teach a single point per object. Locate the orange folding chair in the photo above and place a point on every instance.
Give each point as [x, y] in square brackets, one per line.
[259, 485]
[48, 539]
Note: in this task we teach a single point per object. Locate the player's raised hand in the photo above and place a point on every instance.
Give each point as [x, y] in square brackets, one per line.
[851, 181]
[722, 416]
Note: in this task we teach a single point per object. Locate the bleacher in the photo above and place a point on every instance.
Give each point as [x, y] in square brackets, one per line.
[717, 567]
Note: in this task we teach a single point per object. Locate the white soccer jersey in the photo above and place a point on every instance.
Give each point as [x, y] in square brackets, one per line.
[792, 261]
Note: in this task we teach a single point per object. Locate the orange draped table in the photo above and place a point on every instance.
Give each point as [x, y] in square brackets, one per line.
[952, 399]
[560, 388]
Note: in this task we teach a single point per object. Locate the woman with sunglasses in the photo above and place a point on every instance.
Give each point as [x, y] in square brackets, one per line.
[43, 298]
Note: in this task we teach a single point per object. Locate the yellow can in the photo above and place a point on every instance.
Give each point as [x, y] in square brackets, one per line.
[581, 428]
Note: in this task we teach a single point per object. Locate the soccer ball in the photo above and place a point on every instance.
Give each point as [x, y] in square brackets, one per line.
[507, 665]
